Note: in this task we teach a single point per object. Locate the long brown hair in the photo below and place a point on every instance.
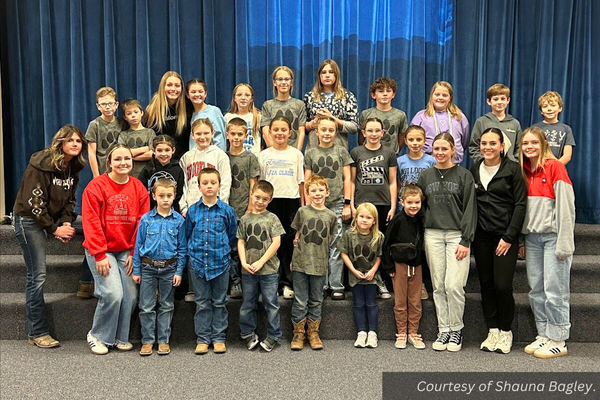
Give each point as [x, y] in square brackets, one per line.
[56, 148]
[338, 89]
[158, 107]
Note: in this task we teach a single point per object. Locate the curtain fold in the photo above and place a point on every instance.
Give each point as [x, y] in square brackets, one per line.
[57, 53]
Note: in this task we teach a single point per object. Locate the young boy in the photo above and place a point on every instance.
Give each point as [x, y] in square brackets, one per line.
[560, 136]
[259, 236]
[137, 138]
[103, 131]
[497, 97]
[315, 226]
[383, 91]
[402, 257]
[332, 163]
[158, 262]
[245, 171]
[210, 227]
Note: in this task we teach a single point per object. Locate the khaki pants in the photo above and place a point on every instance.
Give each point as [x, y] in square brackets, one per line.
[407, 298]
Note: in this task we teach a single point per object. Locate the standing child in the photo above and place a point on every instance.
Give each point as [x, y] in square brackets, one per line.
[314, 225]
[162, 165]
[245, 171]
[383, 91]
[498, 97]
[205, 155]
[548, 229]
[281, 165]
[402, 259]
[259, 236]
[559, 136]
[137, 138]
[242, 106]
[112, 207]
[210, 227]
[443, 116]
[196, 91]
[332, 163]
[374, 175]
[284, 105]
[158, 262]
[361, 251]
[450, 221]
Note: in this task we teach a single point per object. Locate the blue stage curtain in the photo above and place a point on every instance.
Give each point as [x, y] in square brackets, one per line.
[57, 53]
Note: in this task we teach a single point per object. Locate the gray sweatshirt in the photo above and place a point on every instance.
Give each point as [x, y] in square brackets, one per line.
[510, 127]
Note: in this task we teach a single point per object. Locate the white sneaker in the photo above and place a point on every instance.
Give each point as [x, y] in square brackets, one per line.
[383, 292]
[538, 343]
[489, 344]
[455, 341]
[96, 346]
[504, 344]
[372, 339]
[288, 293]
[189, 297]
[361, 340]
[551, 349]
[400, 341]
[441, 343]
[416, 340]
[124, 346]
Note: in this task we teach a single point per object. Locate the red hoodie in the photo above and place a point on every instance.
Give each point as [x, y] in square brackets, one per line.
[111, 212]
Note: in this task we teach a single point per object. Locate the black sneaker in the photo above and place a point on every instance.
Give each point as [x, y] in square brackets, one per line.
[441, 343]
[268, 344]
[455, 341]
[251, 341]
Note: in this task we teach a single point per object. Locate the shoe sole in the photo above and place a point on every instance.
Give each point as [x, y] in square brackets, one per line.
[487, 349]
[529, 351]
[438, 348]
[500, 351]
[163, 353]
[547, 356]
[146, 354]
[454, 349]
[400, 347]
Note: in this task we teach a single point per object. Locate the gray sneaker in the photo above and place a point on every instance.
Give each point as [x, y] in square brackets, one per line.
[383, 292]
[251, 341]
[236, 291]
[268, 344]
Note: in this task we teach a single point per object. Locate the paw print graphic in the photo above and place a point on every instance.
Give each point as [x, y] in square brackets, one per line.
[327, 167]
[390, 130]
[362, 256]
[237, 176]
[256, 237]
[111, 137]
[293, 121]
[314, 231]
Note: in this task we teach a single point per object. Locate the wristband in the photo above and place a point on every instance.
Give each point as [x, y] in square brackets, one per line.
[346, 202]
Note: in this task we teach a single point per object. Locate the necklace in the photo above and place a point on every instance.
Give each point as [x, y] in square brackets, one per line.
[446, 171]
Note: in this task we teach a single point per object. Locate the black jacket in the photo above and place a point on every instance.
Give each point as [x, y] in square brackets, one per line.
[154, 170]
[501, 208]
[403, 229]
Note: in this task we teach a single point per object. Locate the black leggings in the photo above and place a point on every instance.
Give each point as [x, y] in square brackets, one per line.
[285, 209]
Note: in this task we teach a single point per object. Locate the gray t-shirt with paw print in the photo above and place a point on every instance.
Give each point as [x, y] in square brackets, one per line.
[329, 163]
[244, 166]
[394, 123]
[258, 231]
[316, 228]
[362, 254]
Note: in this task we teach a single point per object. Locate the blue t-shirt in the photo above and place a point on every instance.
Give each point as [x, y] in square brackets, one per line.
[215, 117]
[409, 170]
[558, 135]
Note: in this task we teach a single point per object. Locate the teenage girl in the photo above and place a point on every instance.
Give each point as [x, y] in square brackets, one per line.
[45, 204]
[113, 204]
[442, 115]
[330, 99]
[360, 249]
[548, 229]
[195, 90]
[450, 221]
[166, 112]
[242, 106]
[284, 105]
[501, 203]
[282, 165]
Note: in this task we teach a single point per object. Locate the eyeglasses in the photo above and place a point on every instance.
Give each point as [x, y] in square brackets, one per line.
[283, 79]
[107, 105]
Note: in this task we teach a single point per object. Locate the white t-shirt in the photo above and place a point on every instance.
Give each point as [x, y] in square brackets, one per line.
[284, 169]
[487, 173]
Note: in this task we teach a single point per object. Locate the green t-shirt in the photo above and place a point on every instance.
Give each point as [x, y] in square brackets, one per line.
[135, 139]
[244, 167]
[329, 163]
[394, 124]
[362, 254]
[258, 230]
[316, 227]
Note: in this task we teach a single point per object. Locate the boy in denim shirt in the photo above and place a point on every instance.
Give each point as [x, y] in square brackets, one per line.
[158, 262]
[210, 227]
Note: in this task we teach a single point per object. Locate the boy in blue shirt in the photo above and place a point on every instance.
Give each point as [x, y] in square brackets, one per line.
[158, 262]
[210, 227]
[560, 136]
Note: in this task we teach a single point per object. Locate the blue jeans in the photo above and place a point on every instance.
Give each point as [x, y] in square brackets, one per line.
[153, 278]
[549, 279]
[335, 271]
[210, 319]
[366, 312]
[308, 296]
[252, 285]
[32, 239]
[117, 296]
[85, 275]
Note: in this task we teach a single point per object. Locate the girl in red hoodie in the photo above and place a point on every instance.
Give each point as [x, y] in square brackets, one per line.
[113, 204]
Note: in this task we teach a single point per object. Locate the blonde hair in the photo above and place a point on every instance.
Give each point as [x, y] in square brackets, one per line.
[274, 74]
[453, 108]
[202, 121]
[550, 97]
[106, 91]
[56, 148]
[371, 209]
[158, 107]
[545, 152]
[338, 89]
[233, 109]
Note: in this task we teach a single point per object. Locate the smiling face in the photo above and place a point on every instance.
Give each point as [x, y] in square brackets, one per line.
[317, 194]
[364, 221]
[326, 131]
[164, 198]
[280, 133]
[173, 88]
[283, 82]
[498, 103]
[373, 133]
[71, 147]
[120, 161]
[107, 105]
[202, 135]
[196, 93]
[443, 152]
[411, 204]
[243, 96]
[209, 186]
[163, 153]
[531, 147]
[260, 201]
[550, 111]
[133, 115]
[236, 136]
[440, 98]
[327, 77]
[415, 141]
[491, 147]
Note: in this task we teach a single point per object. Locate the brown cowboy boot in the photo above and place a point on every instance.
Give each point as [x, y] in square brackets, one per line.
[313, 334]
[298, 339]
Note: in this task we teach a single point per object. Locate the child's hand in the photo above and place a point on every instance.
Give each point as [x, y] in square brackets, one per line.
[358, 274]
[103, 267]
[392, 274]
[129, 265]
[257, 265]
[502, 248]
[346, 212]
[461, 252]
[248, 268]
[137, 278]
[370, 275]
[183, 214]
[390, 215]
[176, 280]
